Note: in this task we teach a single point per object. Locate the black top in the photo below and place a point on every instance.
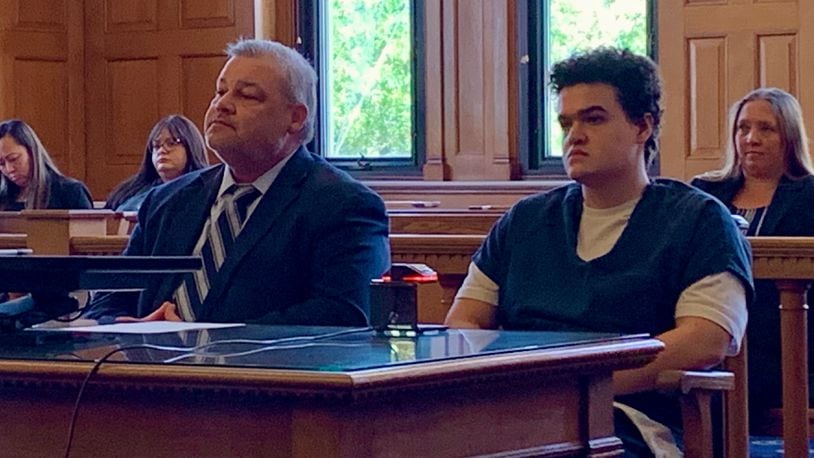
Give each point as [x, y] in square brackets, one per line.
[66, 194]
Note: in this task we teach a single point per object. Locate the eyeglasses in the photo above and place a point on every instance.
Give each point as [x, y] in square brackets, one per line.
[167, 144]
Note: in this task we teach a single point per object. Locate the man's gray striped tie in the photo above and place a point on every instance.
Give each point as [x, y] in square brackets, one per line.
[220, 236]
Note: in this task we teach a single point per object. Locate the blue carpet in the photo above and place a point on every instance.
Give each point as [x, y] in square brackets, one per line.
[770, 447]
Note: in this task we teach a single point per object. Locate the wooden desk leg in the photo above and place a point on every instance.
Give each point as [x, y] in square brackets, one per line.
[794, 340]
[597, 414]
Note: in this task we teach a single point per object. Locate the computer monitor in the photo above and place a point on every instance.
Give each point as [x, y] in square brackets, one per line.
[51, 279]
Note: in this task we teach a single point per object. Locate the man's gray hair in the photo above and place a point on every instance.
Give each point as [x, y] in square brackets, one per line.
[300, 78]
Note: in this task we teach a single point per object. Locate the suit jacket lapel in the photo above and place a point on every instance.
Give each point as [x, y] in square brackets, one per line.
[189, 212]
[283, 191]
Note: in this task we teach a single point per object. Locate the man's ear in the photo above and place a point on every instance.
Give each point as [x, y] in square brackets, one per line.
[299, 114]
[645, 128]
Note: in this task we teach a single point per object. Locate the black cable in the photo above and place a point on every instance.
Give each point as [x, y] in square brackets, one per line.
[94, 370]
[282, 339]
[266, 348]
[191, 351]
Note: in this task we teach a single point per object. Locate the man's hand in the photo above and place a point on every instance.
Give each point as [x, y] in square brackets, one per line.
[469, 313]
[165, 312]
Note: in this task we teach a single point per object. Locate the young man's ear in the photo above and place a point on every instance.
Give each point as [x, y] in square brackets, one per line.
[299, 114]
[645, 128]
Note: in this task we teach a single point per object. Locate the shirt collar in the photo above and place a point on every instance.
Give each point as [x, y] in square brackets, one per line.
[262, 183]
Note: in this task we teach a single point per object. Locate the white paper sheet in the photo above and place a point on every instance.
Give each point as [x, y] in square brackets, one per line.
[144, 327]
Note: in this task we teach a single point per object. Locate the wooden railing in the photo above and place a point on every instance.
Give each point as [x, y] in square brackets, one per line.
[98, 245]
[475, 222]
[64, 232]
[789, 261]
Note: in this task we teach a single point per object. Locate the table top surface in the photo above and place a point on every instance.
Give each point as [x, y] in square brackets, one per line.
[323, 349]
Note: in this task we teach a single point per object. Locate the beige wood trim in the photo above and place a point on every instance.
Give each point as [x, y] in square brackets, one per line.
[790, 261]
[783, 257]
[98, 245]
[439, 223]
[276, 20]
[435, 167]
[13, 241]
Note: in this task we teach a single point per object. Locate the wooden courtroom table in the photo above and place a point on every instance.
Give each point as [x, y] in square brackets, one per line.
[453, 393]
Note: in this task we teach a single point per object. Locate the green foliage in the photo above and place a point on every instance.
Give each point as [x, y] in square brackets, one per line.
[587, 24]
[370, 78]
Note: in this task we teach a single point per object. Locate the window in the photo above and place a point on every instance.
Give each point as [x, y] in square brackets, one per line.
[368, 61]
[556, 29]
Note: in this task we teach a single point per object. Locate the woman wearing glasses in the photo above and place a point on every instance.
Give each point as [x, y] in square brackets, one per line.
[174, 147]
[29, 178]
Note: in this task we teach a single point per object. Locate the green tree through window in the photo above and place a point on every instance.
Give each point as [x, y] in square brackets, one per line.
[368, 79]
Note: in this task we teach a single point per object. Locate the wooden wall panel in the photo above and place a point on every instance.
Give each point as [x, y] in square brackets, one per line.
[449, 77]
[499, 92]
[41, 78]
[156, 57]
[276, 20]
[198, 83]
[42, 15]
[435, 168]
[130, 16]
[707, 104]
[778, 62]
[134, 108]
[207, 13]
[475, 44]
[41, 91]
[469, 85]
[805, 63]
[713, 53]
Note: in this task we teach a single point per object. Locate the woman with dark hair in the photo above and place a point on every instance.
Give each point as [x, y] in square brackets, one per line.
[174, 147]
[29, 178]
[768, 179]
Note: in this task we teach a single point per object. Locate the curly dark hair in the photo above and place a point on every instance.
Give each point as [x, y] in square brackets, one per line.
[636, 80]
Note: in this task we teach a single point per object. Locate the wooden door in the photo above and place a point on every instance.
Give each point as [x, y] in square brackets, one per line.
[41, 75]
[712, 52]
[146, 59]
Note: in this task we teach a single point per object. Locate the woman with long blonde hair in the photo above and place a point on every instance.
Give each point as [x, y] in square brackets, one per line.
[768, 179]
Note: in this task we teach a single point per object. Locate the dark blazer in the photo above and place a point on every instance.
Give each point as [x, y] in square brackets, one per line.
[68, 193]
[306, 255]
[65, 194]
[790, 213]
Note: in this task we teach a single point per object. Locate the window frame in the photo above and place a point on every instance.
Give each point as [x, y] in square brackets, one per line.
[311, 39]
[533, 87]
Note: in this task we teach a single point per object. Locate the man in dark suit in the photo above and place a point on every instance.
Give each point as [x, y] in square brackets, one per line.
[306, 248]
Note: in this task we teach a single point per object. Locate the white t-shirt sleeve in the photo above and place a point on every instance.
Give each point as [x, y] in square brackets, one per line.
[478, 286]
[721, 299]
